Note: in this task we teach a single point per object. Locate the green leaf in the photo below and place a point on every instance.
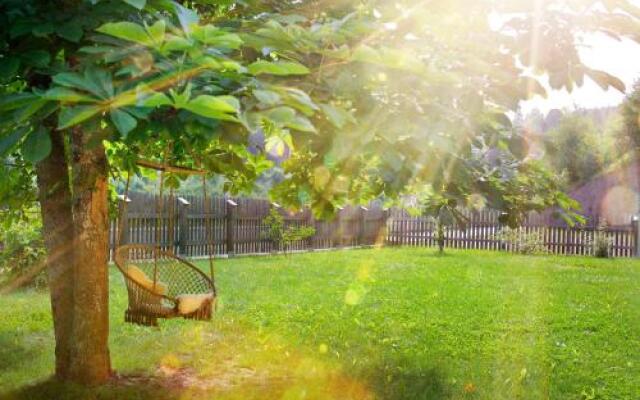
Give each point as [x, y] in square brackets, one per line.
[123, 121]
[605, 80]
[76, 81]
[37, 145]
[338, 117]
[24, 113]
[71, 31]
[156, 32]
[209, 62]
[71, 79]
[231, 102]
[216, 37]
[9, 67]
[70, 116]
[43, 29]
[101, 80]
[282, 68]
[267, 97]
[281, 115]
[287, 117]
[188, 18]
[21, 27]
[66, 95]
[8, 142]
[214, 106]
[146, 97]
[126, 31]
[36, 58]
[139, 4]
[300, 100]
[94, 81]
[301, 123]
[176, 43]
[16, 100]
[228, 40]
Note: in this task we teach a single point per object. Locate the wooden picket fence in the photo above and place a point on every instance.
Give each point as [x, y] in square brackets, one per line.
[237, 227]
[484, 232]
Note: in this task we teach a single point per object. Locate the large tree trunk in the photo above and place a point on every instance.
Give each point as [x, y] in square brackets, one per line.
[55, 203]
[90, 362]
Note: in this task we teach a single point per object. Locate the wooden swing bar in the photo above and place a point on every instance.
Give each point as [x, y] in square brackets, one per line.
[170, 168]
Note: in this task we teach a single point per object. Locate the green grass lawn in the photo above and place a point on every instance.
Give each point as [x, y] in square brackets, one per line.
[392, 323]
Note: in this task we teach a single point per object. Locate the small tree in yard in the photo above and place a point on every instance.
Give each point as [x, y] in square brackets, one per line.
[284, 236]
[527, 243]
[445, 212]
[353, 101]
[601, 241]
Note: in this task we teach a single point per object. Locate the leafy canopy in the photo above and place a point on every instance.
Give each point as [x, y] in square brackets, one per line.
[353, 100]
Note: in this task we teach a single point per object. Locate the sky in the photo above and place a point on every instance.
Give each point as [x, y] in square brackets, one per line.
[619, 58]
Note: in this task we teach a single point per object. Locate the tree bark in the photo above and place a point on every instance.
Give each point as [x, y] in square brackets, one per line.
[440, 236]
[89, 362]
[55, 203]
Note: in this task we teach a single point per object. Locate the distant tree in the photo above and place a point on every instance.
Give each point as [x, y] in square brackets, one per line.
[534, 121]
[630, 132]
[575, 151]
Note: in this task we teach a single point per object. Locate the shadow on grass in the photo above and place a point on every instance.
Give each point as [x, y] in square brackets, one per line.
[297, 378]
[417, 383]
[14, 353]
[52, 389]
[141, 387]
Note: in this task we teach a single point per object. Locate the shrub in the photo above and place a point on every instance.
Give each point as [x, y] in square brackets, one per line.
[528, 243]
[601, 243]
[22, 249]
[283, 236]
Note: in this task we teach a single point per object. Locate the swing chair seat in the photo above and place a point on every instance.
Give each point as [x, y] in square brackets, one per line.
[163, 285]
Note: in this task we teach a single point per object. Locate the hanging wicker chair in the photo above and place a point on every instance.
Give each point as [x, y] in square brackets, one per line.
[170, 281]
[159, 283]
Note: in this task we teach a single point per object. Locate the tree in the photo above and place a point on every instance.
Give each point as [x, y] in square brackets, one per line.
[352, 101]
[282, 236]
[575, 149]
[629, 136]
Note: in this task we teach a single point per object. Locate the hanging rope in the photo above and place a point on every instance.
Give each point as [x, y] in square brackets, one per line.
[123, 211]
[159, 217]
[171, 224]
[159, 220]
[209, 239]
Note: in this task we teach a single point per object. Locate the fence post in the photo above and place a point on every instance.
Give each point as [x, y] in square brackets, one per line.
[361, 232]
[230, 217]
[340, 231]
[309, 242]
[124, 235]
[183, 225]
[635, 225]
[383, 228]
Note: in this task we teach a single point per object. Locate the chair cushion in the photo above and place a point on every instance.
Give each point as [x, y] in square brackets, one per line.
[141, 278]
[189, 303]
